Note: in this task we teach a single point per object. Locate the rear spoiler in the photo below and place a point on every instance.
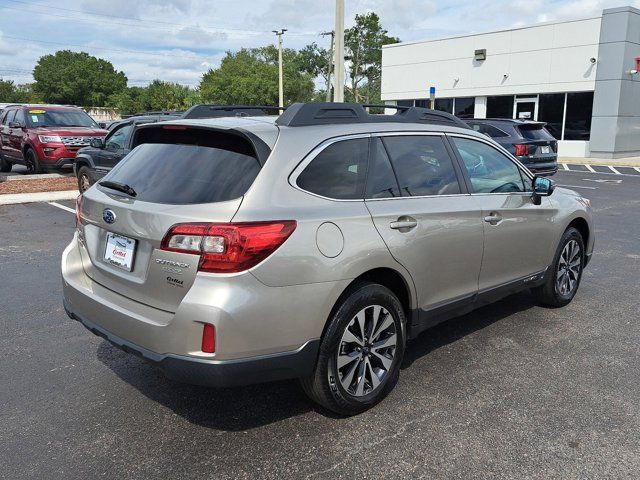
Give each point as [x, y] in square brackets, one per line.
[532, 125]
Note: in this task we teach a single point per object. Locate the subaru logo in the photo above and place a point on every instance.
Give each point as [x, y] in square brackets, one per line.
[108, 215]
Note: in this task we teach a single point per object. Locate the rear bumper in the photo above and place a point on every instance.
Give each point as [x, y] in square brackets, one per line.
[216, 373]
[261, 334]
[541, 167]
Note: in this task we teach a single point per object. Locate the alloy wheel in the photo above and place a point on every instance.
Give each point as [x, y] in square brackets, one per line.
[367, 350]
[569, 267]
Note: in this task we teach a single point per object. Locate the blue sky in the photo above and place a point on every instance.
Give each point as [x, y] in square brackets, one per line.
[179, 40]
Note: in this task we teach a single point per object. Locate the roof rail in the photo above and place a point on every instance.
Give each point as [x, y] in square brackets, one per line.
[328, 113]
[214, 111]
[154, 112]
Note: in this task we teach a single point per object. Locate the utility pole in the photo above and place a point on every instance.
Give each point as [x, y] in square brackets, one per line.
[338, 83]
[279, 33]
[329, 63]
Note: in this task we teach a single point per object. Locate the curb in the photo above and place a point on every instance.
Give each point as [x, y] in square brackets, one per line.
[15, 198]
[41, 176]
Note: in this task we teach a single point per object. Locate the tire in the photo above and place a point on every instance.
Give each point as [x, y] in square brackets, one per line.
[5, 165]
[342, 389]
[562, 283]
[32, 161]
[84, 179]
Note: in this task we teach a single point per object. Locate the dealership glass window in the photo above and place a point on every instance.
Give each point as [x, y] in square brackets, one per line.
[444, 104]
[500, 106]
[550, 110]
[423, 103]
[464, 107]
[404, 103]
[578, 118]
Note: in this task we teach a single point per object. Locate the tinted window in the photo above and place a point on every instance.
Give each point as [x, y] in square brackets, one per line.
[500, 106]
[381, 181]
[489, 170]
[535, 133]
[489, 130]
[186, 174]
[118, 138]
[338, 171]
[578, 121]
[465, 107]
[404, 103]
[444, 104]
[550, 110]
[422, 164]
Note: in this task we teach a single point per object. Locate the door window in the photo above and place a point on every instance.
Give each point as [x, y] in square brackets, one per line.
[118, 138]
[339, 171]
[9, 117]
[20, 117]
[422, 164]
[381, 182]
[490, 171]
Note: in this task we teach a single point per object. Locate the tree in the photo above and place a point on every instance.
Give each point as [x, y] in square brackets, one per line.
[250, 76]
[77, 78]
[363, 45]
[169, 96]
[11, 93]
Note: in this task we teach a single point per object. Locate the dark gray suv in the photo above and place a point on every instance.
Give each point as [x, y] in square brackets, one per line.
[530, 142]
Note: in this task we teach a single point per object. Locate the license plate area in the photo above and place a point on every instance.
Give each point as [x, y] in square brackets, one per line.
[545, 149]
[120, 251]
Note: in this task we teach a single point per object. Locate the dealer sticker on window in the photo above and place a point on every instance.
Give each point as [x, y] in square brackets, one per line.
[120, 251]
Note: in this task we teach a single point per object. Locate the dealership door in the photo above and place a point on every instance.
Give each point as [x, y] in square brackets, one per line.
[525, 108]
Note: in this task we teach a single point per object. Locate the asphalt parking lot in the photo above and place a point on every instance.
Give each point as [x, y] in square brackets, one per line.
[510, 391]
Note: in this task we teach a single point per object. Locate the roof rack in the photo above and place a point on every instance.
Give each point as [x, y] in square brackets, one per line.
[328, 113]
[213, 111]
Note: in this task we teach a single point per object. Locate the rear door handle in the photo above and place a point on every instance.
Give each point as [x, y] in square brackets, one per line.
[494, 218]
[404, 224]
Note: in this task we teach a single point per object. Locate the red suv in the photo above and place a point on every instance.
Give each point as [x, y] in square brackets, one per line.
[44, 137]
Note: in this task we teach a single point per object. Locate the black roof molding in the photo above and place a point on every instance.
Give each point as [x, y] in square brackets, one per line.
[216, 111]
[328, 113]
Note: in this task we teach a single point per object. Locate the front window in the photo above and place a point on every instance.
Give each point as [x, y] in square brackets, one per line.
[43, 117]
[489, 170]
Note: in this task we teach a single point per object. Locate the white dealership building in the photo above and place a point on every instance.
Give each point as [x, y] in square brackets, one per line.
[579, 76]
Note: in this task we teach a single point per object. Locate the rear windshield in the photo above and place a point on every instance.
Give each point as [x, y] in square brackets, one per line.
[196, 167]
[42, 117]
[538, 133]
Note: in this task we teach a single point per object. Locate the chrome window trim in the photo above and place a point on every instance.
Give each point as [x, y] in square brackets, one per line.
[293, 176]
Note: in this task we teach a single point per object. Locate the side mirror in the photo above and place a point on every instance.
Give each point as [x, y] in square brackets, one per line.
[15, 125]
[542, 187]
[97, 143]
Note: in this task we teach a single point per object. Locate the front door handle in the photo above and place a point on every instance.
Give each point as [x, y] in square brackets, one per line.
[404, 224]
[494, 218]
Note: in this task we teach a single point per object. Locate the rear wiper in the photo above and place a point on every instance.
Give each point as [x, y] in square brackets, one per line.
[120, 187]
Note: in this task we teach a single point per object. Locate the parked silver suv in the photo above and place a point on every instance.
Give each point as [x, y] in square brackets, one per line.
[312, 245]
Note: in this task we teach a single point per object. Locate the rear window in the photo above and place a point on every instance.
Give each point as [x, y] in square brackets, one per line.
[489, 130]
[539, 133]
[188, 167]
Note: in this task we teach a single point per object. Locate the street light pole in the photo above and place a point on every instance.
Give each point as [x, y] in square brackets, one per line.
[329, 63]
[279, 33]
[338, 83]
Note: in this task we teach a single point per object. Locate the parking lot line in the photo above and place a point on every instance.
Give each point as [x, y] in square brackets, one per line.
[565, 166]
[63, 207]
[637, 169]
[579, 186]
[614, 170]
[589, 168]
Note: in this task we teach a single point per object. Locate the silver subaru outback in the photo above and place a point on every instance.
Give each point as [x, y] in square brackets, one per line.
[312, 245]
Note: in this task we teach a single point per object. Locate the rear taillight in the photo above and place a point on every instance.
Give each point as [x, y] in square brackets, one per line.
[78, 211]
[521, 150]
[228, 247]
[208, 338]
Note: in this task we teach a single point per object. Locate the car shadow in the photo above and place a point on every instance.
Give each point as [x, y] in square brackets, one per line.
[244, 408]
[451, 330]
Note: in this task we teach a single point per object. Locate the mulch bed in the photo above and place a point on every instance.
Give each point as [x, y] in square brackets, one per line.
[34, 186]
